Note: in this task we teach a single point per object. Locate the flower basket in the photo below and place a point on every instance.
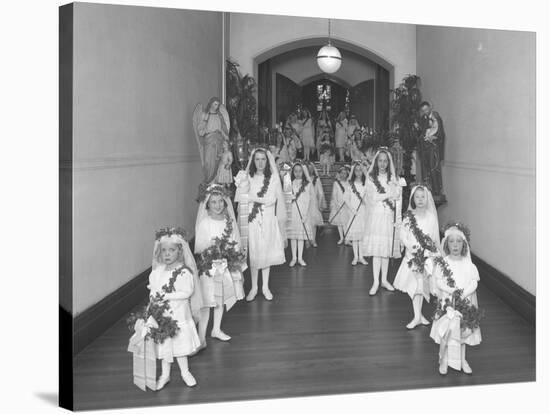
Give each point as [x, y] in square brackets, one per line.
[144, 357]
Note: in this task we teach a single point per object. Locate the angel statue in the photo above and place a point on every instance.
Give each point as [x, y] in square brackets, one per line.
[211, 126]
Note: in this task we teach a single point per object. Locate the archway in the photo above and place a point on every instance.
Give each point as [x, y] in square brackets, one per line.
[377, 85]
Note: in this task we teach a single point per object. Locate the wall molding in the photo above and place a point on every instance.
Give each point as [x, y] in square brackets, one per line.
[497, 169]
[519, 299]
[105, 163]
[95, 320]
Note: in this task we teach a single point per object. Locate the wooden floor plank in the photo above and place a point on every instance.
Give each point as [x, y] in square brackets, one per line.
[322, 334]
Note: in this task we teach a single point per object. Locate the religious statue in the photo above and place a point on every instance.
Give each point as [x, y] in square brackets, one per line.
[211, 126]
[431, 149]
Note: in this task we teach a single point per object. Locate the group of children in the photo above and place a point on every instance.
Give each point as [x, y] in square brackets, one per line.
[366, 207]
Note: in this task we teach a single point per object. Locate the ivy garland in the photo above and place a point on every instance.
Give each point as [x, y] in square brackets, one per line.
[355, 191]
[159, 308]
[256, 206]
[425, 243]
[224, 247]
[471, 315]
[381, 190]
[301, 189]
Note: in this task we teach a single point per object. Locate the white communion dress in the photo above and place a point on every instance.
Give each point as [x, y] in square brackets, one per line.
[229, 289]
[355, 226]
[186, 340]
[464, 274]
[265, 241]
[339, 210]
[406, 280]
[298, 230]
[379, 229]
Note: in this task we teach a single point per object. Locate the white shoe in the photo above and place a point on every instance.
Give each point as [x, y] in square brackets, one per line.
[292, 263]
[363, 261]
[424, 321]
[189, 379]
[161, 382]
[354, 262]
[466, 367]
[340, 241]
[373, 290]
[267, 294]
[302, 263]
[443, 368]
[413, 324]
[387, 285]
[222, 336]
[252, 295]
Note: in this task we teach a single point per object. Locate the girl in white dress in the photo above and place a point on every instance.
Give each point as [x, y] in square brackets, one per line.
[341, 135]
[173, 281]
[355, 199]
[260, 186]
[419, 234]
[297, 127]
[339, 210]
[299, 229]
[308, 135]
[464, 278]
[319, 202]
[216, 219]
[326, 149]
[381, 240]
[323, 125]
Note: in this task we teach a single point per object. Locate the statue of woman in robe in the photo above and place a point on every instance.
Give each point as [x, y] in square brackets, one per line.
[211, 130]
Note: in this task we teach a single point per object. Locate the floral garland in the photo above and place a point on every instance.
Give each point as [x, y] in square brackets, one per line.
[462, 227]
[355, 191]
[159, 308]
[381, 190]
[301, 189]
[471, 315]
[425, 244]
[256, 206]
[224, 247]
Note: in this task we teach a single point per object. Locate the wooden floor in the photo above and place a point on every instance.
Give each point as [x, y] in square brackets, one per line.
[322, 334]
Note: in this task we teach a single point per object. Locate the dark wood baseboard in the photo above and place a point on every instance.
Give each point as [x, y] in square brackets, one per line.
[523, 302]
[95, 320]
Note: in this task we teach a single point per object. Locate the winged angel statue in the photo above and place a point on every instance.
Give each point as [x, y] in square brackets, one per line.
[211, 126]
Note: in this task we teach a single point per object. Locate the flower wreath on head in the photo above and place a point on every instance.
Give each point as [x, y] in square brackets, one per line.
[206, 191]
[460, 226]
[170, 231]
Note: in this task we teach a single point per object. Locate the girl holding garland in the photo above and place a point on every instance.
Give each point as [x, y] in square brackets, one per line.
[299, 229]
[339, 210]
[419, 234]
[355, 199]
[319, 202]
[308, 135]
[216, 228]
[260, 186]
[456, 279]
[172, 282]
[384, 213]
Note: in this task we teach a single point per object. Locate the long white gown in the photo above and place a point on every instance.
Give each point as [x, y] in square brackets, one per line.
[341, 134]
[339, 211]
[187, 340]
[265, 242]
[379, 229]
[298, 230]
[406, 280]
[358, 212]
[208, 229]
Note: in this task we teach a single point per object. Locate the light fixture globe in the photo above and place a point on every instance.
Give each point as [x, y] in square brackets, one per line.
[329, 59]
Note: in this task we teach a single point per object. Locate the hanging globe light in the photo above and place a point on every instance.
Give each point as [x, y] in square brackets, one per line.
[329, 58]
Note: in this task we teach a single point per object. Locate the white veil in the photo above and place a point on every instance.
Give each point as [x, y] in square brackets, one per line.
[195, 300]
[430, 208]
[280, 210]
[202, 213]
[394, 177]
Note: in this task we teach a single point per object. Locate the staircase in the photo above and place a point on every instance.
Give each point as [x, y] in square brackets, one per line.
[327, 182]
